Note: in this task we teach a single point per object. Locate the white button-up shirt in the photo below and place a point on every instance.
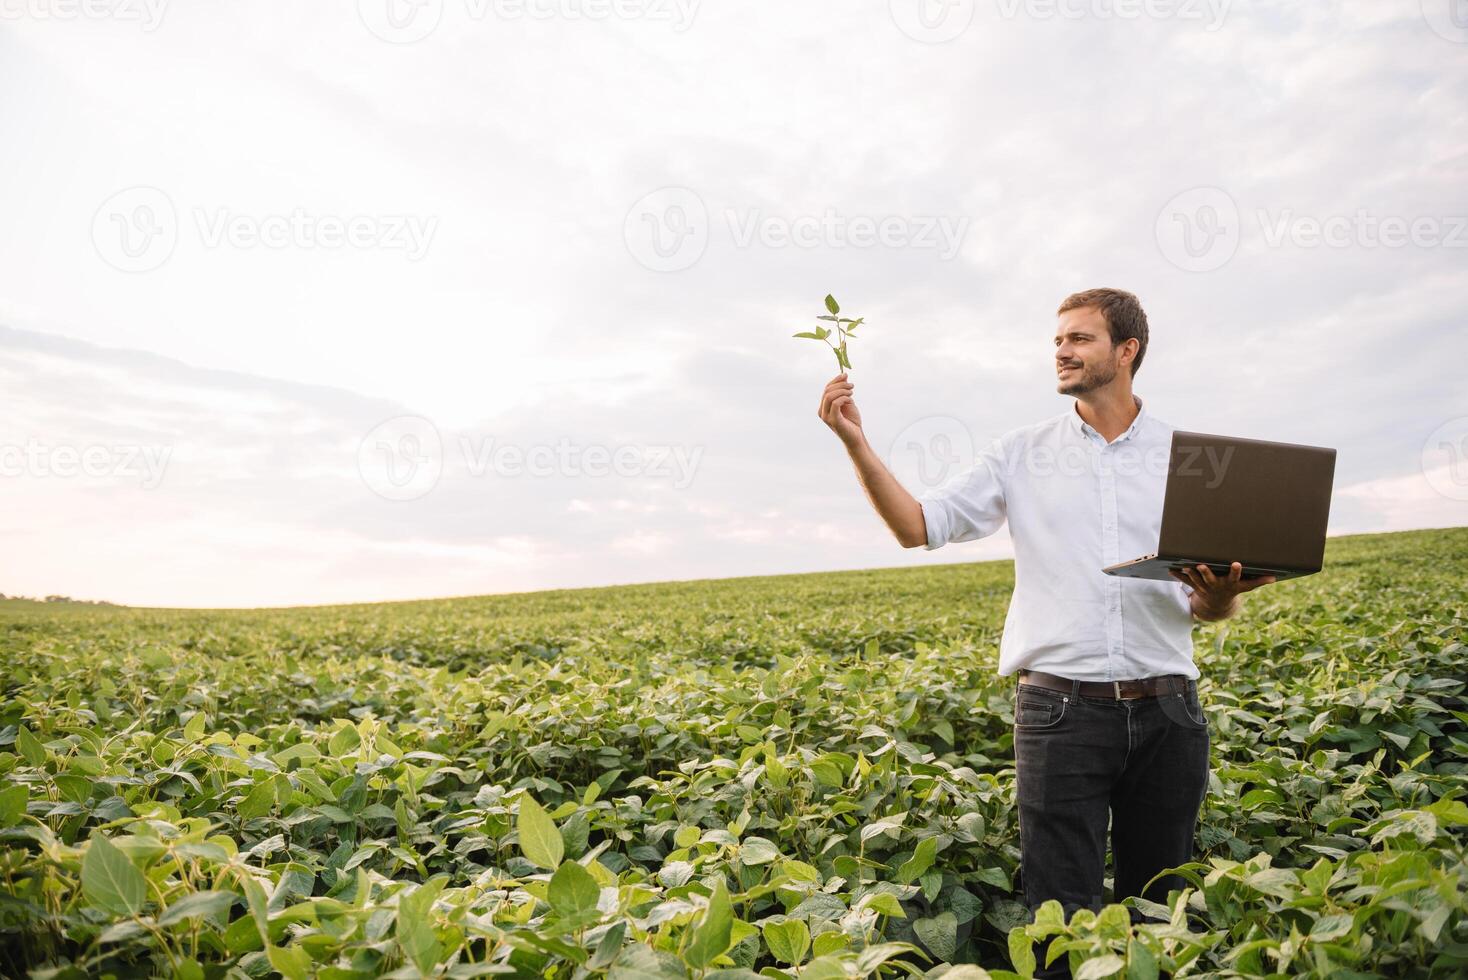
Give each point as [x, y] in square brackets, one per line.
[1075, 504]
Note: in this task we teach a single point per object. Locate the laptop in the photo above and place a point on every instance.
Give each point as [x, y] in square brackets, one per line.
[1262, 504]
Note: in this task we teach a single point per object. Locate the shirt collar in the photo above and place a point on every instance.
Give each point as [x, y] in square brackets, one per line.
[1084, 428]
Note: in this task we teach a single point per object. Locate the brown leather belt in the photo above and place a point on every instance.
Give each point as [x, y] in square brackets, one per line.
[1146, 687]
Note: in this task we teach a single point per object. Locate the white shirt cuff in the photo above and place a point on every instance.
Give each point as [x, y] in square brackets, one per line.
[936, 520]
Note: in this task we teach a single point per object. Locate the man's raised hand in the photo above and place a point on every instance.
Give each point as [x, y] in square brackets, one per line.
[838, 410]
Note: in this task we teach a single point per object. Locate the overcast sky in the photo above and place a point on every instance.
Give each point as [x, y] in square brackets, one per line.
[385, 299]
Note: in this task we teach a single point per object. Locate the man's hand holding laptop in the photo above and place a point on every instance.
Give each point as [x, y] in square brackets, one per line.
[1215, 597]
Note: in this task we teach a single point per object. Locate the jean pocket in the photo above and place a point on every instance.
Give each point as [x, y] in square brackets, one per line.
[1184, 708]
[1033, 711]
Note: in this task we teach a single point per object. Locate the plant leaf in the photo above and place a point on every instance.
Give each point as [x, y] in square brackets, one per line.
[110, 880]
[788, 940]
[197, 905]
[292, 962]
[1022, 951]
[415, 932]
[939, 934]
[711, 938]
[1101, 966]
[258, 801]
[540, 841]
[921, 860]
[12, 804]
[574, 892]
[30, 747]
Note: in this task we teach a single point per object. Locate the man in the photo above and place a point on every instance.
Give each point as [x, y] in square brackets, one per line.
[1107, 718]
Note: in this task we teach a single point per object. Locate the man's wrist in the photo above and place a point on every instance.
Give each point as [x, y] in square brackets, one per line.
[1203, 609]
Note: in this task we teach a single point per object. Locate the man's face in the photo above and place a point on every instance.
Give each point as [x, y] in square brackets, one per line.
[1084, 357]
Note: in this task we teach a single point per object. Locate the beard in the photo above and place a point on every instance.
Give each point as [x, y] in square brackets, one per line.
[1088, 379]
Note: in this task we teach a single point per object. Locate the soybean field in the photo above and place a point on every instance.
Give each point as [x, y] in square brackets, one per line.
[792, 776]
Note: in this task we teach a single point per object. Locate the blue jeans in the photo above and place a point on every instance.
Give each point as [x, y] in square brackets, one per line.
[1141, 762]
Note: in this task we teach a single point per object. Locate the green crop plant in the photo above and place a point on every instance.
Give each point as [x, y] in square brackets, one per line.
[841, 328]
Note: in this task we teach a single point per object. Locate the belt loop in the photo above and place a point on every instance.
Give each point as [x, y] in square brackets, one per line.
[1075, 689]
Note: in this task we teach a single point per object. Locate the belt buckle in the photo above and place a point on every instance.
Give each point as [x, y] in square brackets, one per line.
[1117, 686]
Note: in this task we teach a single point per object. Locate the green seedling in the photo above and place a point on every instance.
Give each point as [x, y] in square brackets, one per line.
[844, 327]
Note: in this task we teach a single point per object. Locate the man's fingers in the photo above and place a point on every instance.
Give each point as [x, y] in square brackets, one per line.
[831, 396]
[838, 382]
[1202, 578]
[833, 391]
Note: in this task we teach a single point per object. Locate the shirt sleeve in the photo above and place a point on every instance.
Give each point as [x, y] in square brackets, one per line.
[969, 506]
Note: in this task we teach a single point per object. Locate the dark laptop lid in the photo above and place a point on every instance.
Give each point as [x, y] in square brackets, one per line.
[1233, 499]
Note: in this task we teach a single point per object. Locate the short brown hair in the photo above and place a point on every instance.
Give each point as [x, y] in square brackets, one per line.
[1122, 312]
